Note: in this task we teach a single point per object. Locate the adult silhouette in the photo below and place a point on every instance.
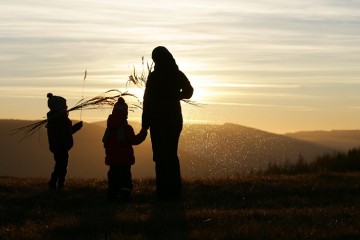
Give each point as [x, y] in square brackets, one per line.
[166, 86]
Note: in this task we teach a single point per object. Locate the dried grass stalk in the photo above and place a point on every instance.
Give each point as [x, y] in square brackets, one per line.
[140, 79]
[137, 79]
[105, 100]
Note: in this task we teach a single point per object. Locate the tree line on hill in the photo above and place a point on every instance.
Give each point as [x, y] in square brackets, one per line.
[330, 162]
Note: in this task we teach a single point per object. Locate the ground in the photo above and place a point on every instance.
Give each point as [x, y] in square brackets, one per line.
[317, 206]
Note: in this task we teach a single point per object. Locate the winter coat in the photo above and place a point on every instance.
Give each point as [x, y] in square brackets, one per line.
[118, 139]
[60, 131]
[162, 96]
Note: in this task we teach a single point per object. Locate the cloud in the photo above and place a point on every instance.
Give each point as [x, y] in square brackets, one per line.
[263, 53]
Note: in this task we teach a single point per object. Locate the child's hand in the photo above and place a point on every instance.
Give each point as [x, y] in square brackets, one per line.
[78, 125]
[143, 131]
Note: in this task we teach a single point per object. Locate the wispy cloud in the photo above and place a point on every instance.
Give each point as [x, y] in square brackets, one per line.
[266, 51]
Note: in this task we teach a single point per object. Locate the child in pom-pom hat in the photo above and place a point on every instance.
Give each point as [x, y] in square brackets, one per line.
[118, 139]
[60, 131]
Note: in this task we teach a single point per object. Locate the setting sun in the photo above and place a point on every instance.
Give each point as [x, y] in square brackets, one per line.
[290, 76]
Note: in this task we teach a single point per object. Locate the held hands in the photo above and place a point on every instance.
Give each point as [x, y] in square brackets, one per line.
[143, 132]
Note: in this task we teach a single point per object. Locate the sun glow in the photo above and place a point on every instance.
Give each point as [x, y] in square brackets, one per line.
[277, 83]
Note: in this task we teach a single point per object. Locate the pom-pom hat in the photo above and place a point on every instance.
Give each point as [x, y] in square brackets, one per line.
[121, 107]
[56, 103]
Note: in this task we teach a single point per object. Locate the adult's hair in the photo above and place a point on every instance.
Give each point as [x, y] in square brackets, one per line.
[164, 60]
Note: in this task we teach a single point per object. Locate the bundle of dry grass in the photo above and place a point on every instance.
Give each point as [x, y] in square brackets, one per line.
[137, 79]
[140, 79]
[105, 100]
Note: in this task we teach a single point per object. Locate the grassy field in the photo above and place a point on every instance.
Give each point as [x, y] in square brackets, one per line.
[324, 206]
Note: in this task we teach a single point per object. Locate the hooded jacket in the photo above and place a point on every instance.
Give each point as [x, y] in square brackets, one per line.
[118, 139]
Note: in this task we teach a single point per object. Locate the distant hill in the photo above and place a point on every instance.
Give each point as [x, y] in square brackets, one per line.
[205, 150]
[231, 149]
[337, 139]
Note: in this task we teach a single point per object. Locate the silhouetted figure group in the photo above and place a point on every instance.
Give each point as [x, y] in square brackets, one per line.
[166, 86]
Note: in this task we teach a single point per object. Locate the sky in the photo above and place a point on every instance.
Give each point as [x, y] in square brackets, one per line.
[276, 65]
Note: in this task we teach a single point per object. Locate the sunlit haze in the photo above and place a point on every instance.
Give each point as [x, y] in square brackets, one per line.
[280, 66]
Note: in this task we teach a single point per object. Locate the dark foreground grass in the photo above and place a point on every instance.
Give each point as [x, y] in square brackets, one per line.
[258, 207]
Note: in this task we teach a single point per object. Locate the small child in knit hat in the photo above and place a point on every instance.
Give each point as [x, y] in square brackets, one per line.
[118, 139]
[60, 131]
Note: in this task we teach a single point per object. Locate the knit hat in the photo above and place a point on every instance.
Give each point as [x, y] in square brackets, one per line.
[121, 107]
[56, 103]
